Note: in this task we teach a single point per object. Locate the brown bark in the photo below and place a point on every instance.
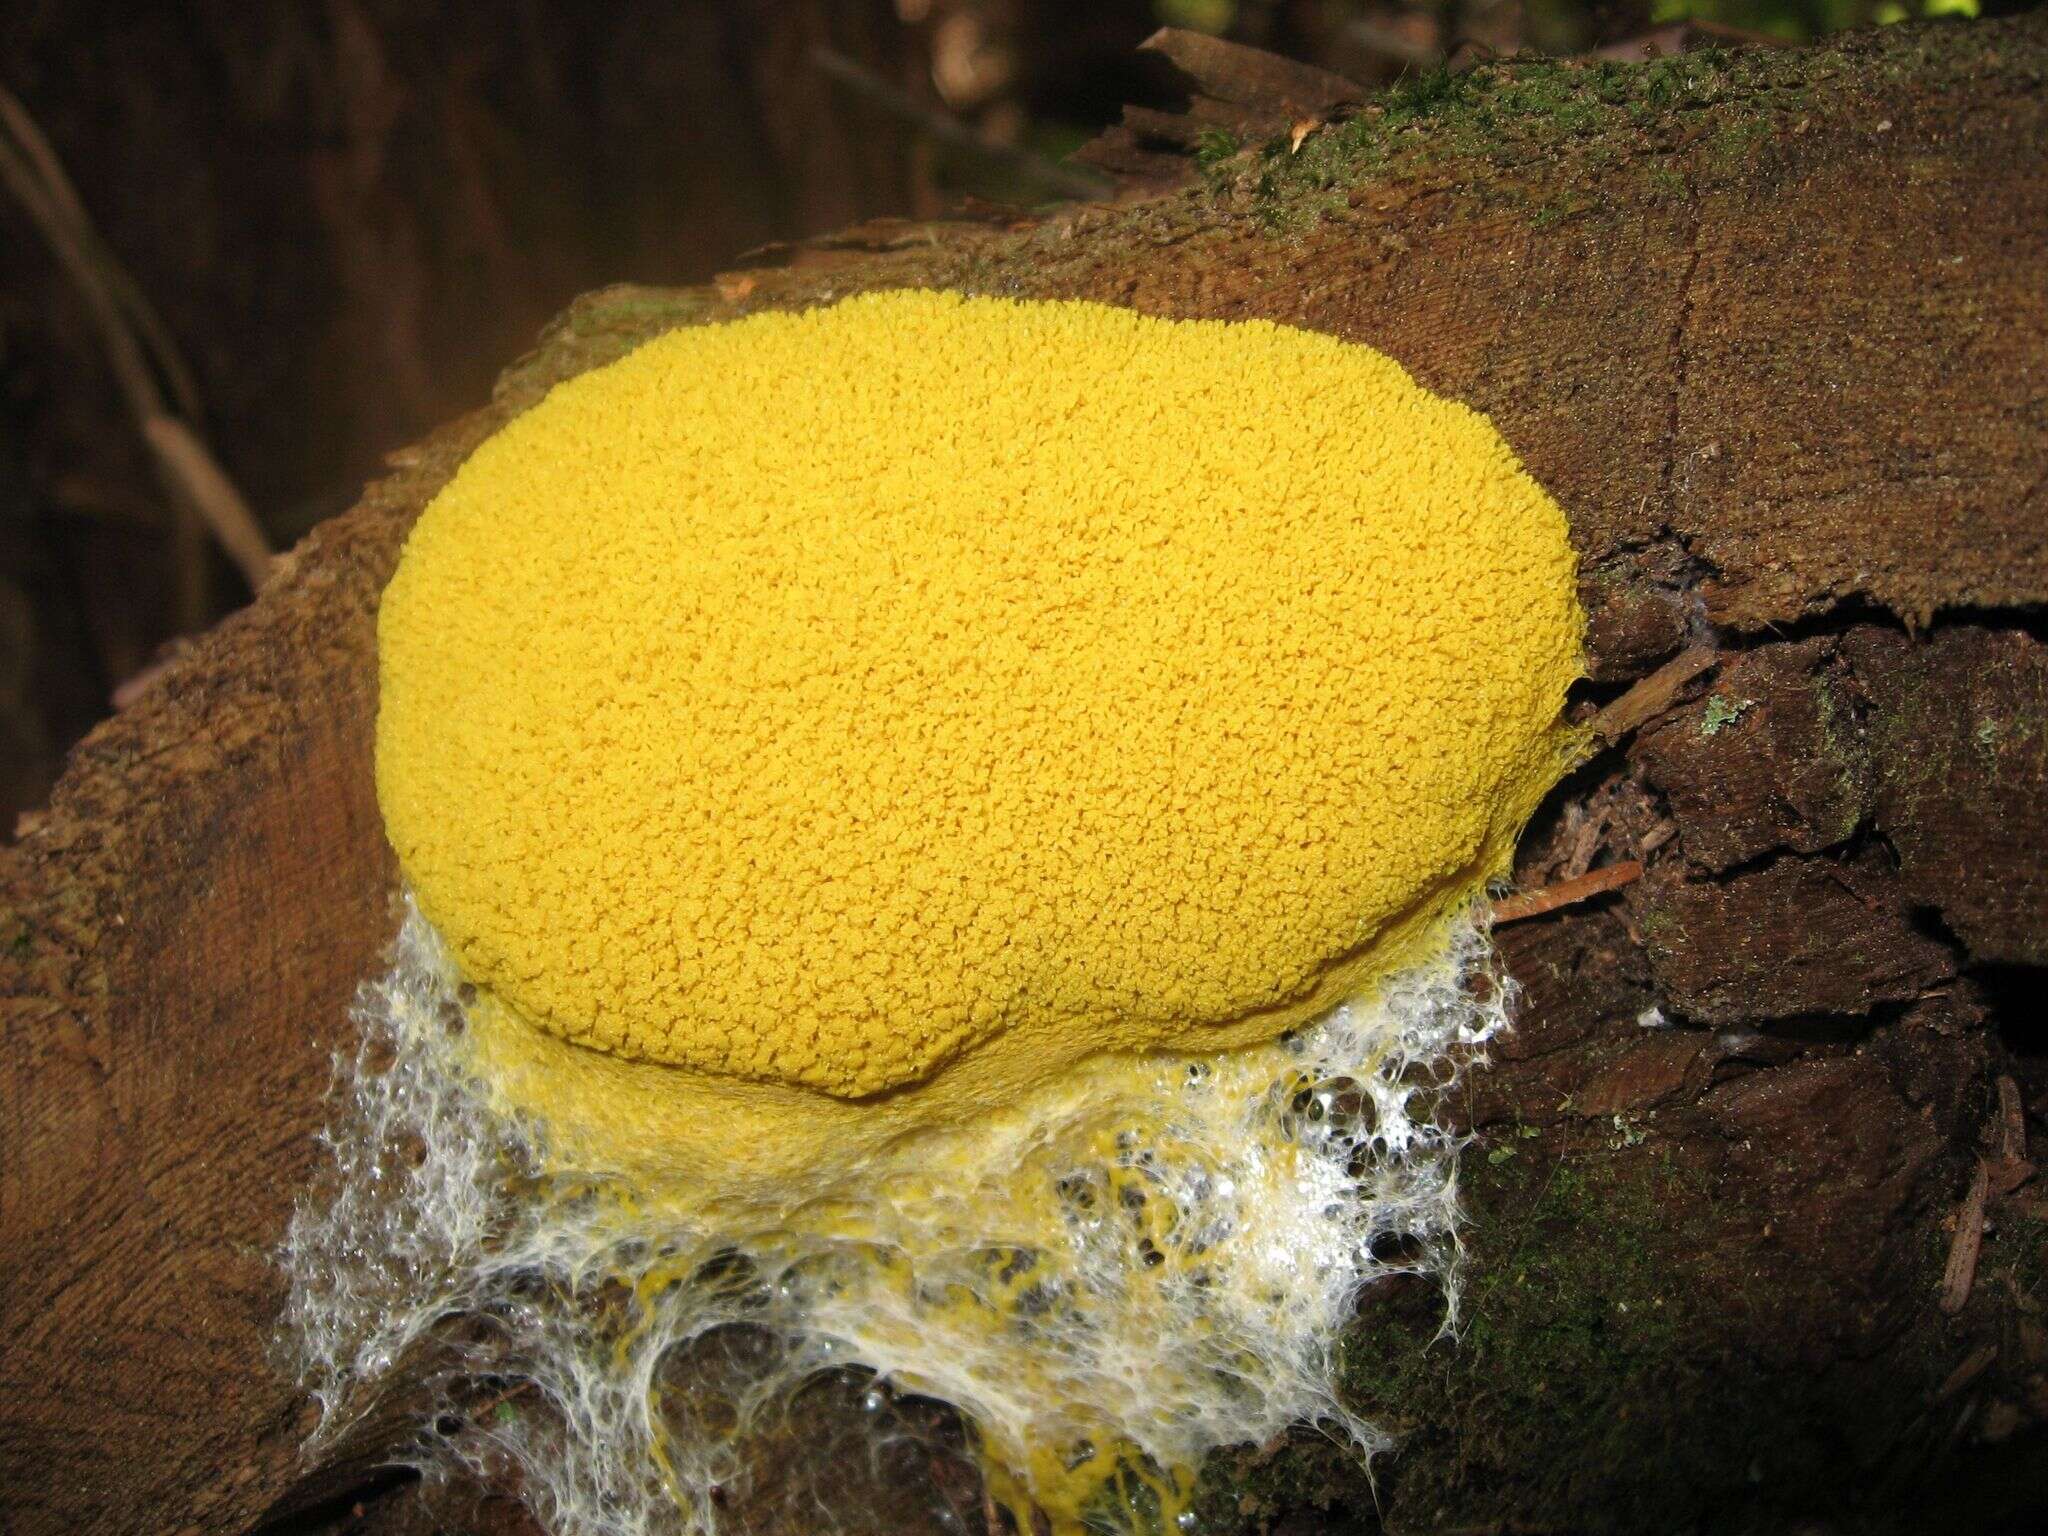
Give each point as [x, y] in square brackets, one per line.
[1771, 327]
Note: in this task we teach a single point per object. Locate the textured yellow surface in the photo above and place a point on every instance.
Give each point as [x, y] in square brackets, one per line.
[927, 693]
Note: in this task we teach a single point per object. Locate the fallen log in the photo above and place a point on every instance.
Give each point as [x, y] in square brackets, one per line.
[1770, 326]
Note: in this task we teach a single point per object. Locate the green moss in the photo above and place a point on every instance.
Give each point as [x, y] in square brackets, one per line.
[1556, 211]
[1565, 1304]
[1215, 146]
[1415, 98]
[1842, 747]
[1722, 712]
[1999, 735]
[1667, 183]
[1244, 1490]
[1572, 1316]
[1526, 112]
[1736, 146]
[1599, 1378]
[1916, 741]
[1544, 1317]
[1659, 928]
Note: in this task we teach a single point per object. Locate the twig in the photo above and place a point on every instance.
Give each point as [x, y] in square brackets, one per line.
[2012, 1168]
[133, 339]
[1068, 181]
[213, 494]
[1513, 909]
[1653, 695]
[131, 369]
[1961, 1271]
[156, 336]
[2012, 1116]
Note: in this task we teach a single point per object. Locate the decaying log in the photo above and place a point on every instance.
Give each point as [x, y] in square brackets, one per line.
[1772, 327]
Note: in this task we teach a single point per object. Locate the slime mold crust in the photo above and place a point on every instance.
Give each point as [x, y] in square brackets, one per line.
[944, 837]
[818, 729]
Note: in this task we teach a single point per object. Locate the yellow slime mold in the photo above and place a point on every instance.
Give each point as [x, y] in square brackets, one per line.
[823, 729]
[951, 825]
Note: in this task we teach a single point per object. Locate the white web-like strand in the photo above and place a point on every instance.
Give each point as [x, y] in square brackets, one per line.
[1288, 1177]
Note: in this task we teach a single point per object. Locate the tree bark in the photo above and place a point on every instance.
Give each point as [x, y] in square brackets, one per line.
[1772, 327]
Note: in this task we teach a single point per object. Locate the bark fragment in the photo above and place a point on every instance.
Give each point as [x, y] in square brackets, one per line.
[1770, 757]
[1796, 937]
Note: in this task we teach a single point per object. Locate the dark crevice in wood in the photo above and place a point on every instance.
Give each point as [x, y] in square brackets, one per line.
[2014, 995]
[338, 1511]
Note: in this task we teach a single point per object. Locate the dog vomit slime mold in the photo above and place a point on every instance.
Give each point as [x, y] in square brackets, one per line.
[941, 834]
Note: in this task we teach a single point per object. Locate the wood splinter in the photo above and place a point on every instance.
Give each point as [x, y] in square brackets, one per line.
[1566, 893]
[1961, 1272]
[1652, 696]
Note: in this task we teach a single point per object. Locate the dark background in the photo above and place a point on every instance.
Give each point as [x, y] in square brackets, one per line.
[350, 214]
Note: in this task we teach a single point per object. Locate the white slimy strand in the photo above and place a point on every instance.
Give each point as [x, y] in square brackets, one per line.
[1159, 1253]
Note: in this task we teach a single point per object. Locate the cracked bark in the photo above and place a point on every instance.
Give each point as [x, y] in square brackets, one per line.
[1744, 1095]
